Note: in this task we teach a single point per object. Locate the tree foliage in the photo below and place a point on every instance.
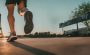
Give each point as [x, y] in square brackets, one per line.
[80, 10]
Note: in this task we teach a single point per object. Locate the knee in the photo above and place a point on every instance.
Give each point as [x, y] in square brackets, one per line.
[10, 16]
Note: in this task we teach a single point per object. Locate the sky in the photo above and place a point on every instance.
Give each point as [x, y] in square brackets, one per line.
[47, 14]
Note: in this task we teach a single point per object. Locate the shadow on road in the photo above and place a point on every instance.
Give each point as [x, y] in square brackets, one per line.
[31, 49]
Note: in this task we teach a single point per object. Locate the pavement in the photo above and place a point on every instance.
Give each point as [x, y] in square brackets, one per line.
[46, 46]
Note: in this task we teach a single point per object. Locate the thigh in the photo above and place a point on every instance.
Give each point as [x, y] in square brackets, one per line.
[10, 2]
[10, 8]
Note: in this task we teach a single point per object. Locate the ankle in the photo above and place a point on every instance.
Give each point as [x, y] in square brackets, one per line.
[13, 33]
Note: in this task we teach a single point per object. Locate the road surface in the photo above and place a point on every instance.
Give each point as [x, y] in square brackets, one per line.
[46, 46]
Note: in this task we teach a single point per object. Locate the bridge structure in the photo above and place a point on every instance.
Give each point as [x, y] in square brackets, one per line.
[76, 20]
[82, 18]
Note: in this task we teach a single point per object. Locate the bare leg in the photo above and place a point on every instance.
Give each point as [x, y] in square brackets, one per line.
[22, 8]
[21, 5]
[28, 17]
[11, 19]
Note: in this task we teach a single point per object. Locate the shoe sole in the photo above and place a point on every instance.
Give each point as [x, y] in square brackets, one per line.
[28, 22]
[13, 39]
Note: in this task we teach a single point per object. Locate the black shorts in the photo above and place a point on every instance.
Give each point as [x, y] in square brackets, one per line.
[16, 2]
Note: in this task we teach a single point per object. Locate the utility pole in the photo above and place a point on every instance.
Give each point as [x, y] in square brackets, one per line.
[77, 26]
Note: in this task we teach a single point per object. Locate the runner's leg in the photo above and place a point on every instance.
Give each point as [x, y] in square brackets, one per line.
[28, 16]
[11, 20]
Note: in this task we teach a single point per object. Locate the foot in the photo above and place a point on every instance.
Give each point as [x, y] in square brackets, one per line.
[28, 22]
[12, 37]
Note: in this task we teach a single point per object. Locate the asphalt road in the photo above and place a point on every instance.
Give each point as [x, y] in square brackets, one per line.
[46, 46]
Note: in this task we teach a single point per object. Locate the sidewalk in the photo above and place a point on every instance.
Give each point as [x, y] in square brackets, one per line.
[46, 46]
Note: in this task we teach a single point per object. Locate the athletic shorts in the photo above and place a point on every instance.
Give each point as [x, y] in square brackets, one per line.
[16, 2]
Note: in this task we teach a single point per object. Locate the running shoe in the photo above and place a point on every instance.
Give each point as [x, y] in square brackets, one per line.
[12, 37]
[28, 17]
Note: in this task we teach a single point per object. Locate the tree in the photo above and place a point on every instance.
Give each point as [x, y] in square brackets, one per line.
[81, 10]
